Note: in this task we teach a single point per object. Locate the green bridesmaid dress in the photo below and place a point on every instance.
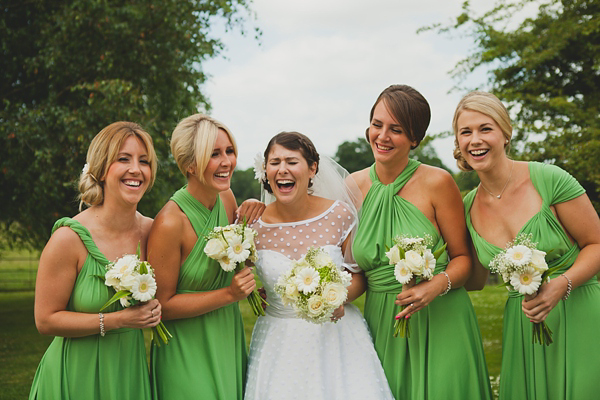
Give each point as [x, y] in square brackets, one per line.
[567, 369]
[443, 358]
[112, 367]
[206, 358]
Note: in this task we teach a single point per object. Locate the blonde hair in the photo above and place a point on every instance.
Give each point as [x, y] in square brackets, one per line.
[489, 105]
[103, 151]
[193, 141]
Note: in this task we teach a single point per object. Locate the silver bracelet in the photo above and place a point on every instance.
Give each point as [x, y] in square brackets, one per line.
[449, 287]
[102, 331]
[569, 287]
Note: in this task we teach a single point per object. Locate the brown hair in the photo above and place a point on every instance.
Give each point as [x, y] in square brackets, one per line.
[293, 141]
[103, 151]
[407, 106]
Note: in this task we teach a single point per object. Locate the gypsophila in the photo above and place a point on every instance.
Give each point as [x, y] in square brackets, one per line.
[85, 169]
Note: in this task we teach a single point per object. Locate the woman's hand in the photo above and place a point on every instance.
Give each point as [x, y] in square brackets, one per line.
[338, 313]
[252, 209]
[420, 295]
[242, 284]
[538, 308]
[143, 315]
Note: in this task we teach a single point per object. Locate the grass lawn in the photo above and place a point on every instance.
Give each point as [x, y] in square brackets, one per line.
[22, 347]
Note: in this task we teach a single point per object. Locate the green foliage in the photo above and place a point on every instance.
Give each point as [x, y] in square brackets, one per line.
[547, 69]
[69, 68]
[427, 154]
[244, 186]
[355, 155]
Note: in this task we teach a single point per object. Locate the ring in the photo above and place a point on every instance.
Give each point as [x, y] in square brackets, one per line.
[411, 305]
[152, 312]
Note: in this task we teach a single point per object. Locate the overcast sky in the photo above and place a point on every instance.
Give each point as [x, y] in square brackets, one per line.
[321, 64]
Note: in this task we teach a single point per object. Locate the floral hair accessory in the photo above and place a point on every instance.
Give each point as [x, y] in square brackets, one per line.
[86, 171]
[259, 168]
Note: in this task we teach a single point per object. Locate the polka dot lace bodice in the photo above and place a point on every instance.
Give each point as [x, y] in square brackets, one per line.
[279, 244]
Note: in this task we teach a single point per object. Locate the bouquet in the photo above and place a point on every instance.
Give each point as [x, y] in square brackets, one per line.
[133, 281]
[314, 286]
[231, 246]
[523, 268]
[412, 258]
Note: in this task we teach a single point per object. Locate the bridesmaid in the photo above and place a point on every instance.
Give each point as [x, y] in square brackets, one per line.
[443, 358]
[207, 357]
[97, 355]
[548, 203]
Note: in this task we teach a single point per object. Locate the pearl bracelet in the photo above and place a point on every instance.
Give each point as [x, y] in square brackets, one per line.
[102, 331]
[449, 283]
[569, 286]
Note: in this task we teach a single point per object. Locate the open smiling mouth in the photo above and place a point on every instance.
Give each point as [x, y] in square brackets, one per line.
[382, 147]
[132, 183]
[477, 153]
[222, 175]
[285, 185]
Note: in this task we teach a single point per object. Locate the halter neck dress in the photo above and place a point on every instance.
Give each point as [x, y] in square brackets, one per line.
[443, 358]
[92, 367]
[206, 358]
[568, 368]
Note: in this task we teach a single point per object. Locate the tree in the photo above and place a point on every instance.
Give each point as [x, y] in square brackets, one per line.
[547, 69]
[69, 68]
[244, 186]
[355, 155]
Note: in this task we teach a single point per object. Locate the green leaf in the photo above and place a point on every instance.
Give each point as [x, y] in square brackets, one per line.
[439, 252]
[119, 295]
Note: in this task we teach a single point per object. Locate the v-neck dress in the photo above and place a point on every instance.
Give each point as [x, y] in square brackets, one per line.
[569, 368]
[206, 358]
[92, 367]
[444, 357]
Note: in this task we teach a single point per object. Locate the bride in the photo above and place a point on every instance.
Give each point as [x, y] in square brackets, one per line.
[291, 358]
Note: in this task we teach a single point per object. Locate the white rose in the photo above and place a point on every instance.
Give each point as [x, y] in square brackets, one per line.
[413, 261]
[128, 279]
[315, 305]
[291, 291]
[111, 278]
[538, 259]
[335, 294]
[322, 259]
[215, 248]
[393, 255]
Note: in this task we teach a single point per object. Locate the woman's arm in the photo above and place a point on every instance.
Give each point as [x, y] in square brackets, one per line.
[60, 262]
[479, 274]
[581, 222]
[166, 254]
[450, 218]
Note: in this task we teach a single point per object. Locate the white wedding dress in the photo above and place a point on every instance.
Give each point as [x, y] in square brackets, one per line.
[291, 358]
